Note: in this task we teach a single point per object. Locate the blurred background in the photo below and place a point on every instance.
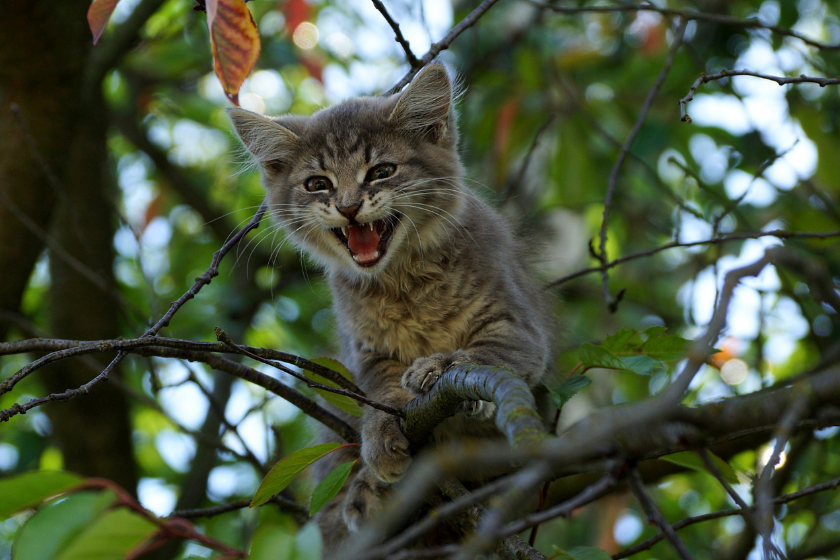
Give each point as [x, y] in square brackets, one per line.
[119, 178]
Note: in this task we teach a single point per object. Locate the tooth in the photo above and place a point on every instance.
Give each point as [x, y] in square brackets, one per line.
[376, 254]
[344, 230]
[356, 258]
[371, 225]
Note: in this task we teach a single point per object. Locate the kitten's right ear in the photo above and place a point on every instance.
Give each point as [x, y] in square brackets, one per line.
[425, 107]
[270, 142]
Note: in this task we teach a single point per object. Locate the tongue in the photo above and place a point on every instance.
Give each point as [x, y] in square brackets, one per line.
[363, 242]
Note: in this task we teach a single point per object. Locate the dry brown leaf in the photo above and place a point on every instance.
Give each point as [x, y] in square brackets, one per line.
[236, 43]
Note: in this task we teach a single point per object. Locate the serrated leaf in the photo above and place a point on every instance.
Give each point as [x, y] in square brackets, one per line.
[622, 341]
[287, 469]
[596, 356]
[112, 535]
[53, 527]
[329, 487]
[581, 553]
[666, 347]
[98, 15]
[235, 42]
[348, 405]
[642, 365]
[691, 460]
[562, 393]
[26, 490]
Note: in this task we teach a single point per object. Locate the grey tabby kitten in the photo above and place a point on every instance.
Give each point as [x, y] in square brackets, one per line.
[423, 273]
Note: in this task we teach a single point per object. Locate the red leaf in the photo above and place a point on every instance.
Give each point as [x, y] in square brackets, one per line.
[98, 15]
[236, 43]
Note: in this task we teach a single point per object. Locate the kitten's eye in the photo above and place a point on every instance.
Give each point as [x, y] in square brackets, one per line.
[317, 184]
[380, 172]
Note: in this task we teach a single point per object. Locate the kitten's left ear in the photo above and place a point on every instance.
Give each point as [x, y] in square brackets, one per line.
[269, 141]
[425, 107]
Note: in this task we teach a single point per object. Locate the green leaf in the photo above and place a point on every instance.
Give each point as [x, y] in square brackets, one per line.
[596, 356]
[666, 347]
[341, 402]
[642, 365]
[329, 487]
[110, 537]
[622, 341]
[691, 460]
[54, 526]
[581, 553]
[287, 469]
[568, 389]
[27, 490]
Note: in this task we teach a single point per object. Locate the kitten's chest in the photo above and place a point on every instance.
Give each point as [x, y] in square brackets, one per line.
[408, 324]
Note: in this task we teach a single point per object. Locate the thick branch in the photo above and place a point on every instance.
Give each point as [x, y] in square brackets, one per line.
[516, 414]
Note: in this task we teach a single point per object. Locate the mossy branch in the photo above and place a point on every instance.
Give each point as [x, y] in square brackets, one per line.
[516, 413]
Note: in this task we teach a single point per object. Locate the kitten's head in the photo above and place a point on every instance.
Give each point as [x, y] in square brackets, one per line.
[365, 184]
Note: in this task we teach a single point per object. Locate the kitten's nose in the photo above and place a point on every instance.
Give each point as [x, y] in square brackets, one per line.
[350, 211]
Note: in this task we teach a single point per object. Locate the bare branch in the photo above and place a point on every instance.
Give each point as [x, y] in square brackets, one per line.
[226, 340]
[779, 500]
[300, 512]
[398, 36]
[781, 80]
[780, 234]
[443, 44]
[622, 155]
[654, 515]
[720, 19]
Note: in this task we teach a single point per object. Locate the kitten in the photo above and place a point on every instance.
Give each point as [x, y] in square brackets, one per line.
[423, 273]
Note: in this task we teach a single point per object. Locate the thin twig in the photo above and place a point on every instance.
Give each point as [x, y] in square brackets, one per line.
[779, 500]
[689, 15]
[655, 516]
[762, 487]
[443, 44]
[300, 512]
[780, 234]
[224, 338]
[781, 80]
[398, 36]
[622, 155]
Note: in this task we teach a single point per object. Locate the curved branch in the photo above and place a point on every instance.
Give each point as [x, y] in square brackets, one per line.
[516, 414]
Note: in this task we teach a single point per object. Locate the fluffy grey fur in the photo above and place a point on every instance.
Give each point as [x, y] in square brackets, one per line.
[447, 283]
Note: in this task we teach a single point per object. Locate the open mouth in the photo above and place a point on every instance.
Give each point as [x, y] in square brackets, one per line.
[368, 242]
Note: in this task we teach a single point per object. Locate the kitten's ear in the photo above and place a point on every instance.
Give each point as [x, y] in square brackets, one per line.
[270, 142]
[425, 107]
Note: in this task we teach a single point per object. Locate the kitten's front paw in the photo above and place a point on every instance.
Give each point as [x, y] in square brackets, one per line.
[364, 498]
[385, 447]
[424, 373]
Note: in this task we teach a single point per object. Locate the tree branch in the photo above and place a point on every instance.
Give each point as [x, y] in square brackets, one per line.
[622, 155]
[779, 234]
[516, 414]
[655, 516]
[779, 500]
[443, 44]
[706, 78]
[720, 19]
[398, 36]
